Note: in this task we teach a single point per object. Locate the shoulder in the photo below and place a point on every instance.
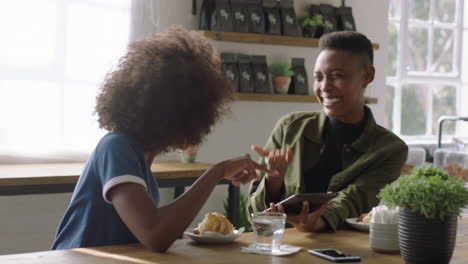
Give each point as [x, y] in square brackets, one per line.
[386, 135]
[386, 141]
[117, 142]
[298, 118]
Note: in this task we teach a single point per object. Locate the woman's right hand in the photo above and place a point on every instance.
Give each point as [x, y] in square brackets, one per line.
[242, 170]
[276, 160]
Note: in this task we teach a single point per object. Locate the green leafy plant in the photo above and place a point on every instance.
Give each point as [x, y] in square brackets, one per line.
[280, 69]
[427, 191]
[311, 20]
[244, 218]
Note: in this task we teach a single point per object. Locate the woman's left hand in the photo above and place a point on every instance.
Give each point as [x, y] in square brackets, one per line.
[305, 221]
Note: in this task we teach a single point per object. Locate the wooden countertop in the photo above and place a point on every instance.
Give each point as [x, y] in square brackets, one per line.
[68, 173]
[186, 251]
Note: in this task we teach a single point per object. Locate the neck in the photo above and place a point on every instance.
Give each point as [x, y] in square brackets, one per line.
[354, 117]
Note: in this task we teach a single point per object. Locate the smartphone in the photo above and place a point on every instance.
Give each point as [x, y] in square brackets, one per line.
[293, 204]
[334, 255]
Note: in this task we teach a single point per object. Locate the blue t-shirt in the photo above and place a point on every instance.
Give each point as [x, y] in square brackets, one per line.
[90, 219]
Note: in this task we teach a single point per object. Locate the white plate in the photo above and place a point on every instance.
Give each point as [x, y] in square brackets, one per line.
[214, 237]
[364, 227]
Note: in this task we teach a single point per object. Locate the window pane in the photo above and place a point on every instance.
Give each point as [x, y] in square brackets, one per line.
[465, 15]
[417, 49]
[445, 10]
[30, 114]
[413, 109]
[444, 103]
[389, 98]
[464, 50]
[80, 124]
[34, 22]
[419, 9]
[392, 49]
[96, 42]
[443, 50]
[395, 7]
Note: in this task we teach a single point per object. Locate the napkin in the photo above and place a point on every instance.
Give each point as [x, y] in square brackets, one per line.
[384, 215]
[284, 250]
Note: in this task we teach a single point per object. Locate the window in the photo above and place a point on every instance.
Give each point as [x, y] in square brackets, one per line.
[54, 54]
[426, 77]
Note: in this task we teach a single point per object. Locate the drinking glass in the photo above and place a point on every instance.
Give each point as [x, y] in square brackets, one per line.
[268, 228]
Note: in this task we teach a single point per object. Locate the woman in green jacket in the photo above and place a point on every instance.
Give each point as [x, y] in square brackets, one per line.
[340, 149]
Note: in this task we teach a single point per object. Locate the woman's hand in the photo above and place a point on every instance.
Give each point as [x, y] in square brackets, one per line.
[242, 170]
[305, 221]
[276, 160]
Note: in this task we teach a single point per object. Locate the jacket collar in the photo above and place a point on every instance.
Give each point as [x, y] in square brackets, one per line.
[314, 131]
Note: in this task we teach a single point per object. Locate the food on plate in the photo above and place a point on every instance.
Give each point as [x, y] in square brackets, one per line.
[215, 222]
[365, 218]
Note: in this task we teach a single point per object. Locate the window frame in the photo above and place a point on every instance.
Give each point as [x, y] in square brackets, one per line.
[429, 77]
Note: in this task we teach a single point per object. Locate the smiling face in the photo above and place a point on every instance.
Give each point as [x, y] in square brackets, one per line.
[340, 78]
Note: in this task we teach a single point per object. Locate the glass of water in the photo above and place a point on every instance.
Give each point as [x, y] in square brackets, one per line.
[268, 228]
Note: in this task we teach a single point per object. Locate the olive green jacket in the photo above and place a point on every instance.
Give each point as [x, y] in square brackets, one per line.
[369, 163]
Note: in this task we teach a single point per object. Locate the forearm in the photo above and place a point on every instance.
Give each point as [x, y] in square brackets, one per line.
[174, 218]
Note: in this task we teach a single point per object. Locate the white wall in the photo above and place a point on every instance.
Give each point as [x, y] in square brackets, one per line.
[28, 223]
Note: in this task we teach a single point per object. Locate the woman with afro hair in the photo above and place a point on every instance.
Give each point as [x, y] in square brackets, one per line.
[166, 93]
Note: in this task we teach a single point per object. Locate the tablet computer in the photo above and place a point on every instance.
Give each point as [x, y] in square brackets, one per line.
[293, 204]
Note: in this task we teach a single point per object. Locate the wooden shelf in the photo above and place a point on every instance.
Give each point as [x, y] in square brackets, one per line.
[292, 98]
[264, 39]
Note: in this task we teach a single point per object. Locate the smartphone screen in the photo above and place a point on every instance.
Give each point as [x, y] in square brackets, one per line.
[334, 255]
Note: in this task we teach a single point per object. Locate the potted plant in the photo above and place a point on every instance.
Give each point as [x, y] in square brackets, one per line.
[430, 201]
[312, 25]
[281, 76]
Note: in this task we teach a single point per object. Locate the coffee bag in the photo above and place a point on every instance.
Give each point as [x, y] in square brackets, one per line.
[345, 18]
[260, 75]
[299, 83]
[246, 80]
[329, 18]
[221, 18]
[256, 16]
[240, 16]
[272, 17]
[288, 18]
[231, 69]
[206, 11]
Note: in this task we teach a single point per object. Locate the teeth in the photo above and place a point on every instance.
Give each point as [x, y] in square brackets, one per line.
[330, 100]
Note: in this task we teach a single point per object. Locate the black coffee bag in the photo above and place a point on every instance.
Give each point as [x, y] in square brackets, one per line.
[299, 83]
[272, 17]
[329, 18]
[260, 75]
[246, 80]
[256, 16]
[317, 30]
[288, 18]
[206, 11]
[345, 18]
[221, 18]
[231, 69]
[240, 16]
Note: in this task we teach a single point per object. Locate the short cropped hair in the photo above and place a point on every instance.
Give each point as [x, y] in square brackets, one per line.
[167, 91]
[349, 41]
